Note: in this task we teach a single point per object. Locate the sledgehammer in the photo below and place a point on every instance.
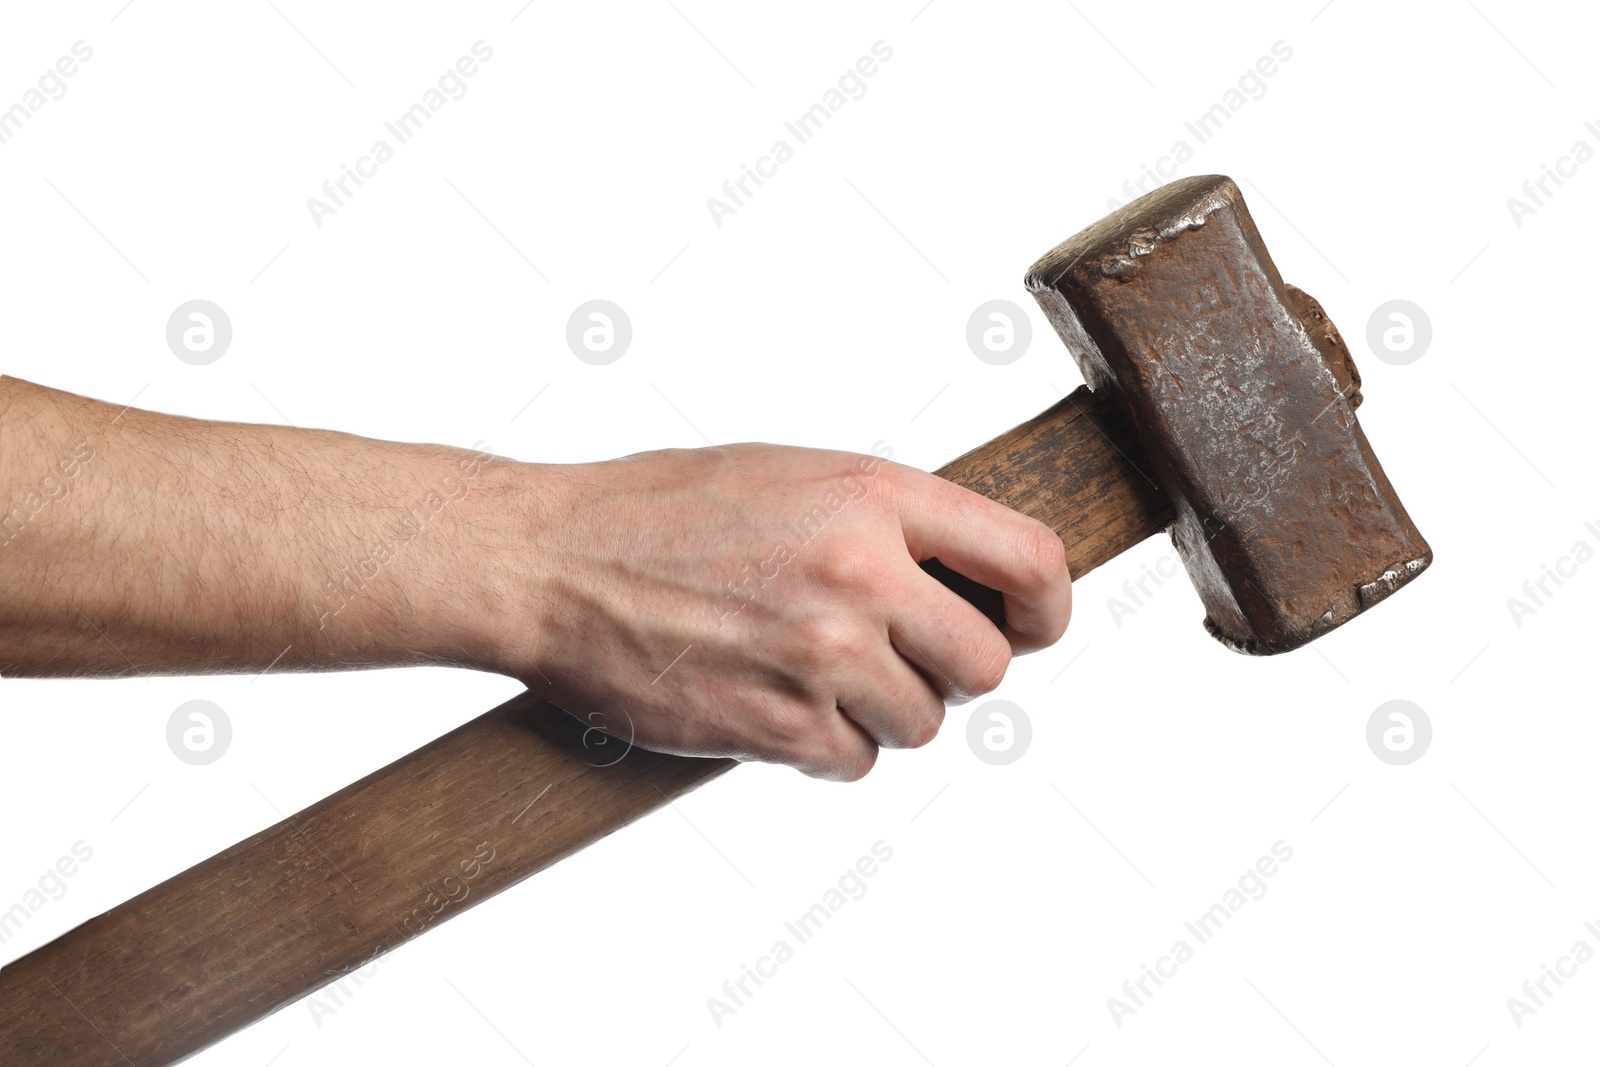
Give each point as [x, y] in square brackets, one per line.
[1220, 406]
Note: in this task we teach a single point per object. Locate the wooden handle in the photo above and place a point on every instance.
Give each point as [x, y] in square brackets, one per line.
[321, 894]
[324, 892]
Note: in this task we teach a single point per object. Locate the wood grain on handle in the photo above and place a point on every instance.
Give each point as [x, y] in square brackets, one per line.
[322, 893]
[319, 895]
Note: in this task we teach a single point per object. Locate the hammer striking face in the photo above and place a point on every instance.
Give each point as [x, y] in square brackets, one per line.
[1242, 397]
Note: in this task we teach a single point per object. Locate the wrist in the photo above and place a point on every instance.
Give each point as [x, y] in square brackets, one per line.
[409, 574]
[483, 600]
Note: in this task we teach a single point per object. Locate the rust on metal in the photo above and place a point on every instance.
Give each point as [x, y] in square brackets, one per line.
[1242, 395]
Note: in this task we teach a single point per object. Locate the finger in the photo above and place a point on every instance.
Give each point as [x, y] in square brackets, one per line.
[838, 750]
[954, 645]
[891, 701]
[988, 542]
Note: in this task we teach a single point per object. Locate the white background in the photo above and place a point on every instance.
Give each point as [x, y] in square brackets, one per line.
[830, 311]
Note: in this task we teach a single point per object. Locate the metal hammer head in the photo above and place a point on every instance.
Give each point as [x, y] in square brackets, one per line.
[1243, 397]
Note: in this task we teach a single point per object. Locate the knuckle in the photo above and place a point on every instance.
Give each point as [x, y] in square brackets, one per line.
[1066, 620]
[925, 728]
[987, 668]
[1044, 555]
[855, 764]
[850, 568]
[785, 724]
[827, 641]
[841, 756]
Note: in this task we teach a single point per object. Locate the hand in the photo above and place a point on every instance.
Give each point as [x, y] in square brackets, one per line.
[766, 602]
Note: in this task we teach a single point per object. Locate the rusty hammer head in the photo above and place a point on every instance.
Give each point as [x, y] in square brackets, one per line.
[1242, 395]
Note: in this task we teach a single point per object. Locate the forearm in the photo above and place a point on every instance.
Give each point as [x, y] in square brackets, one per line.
[752, 600]
[134, 542]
